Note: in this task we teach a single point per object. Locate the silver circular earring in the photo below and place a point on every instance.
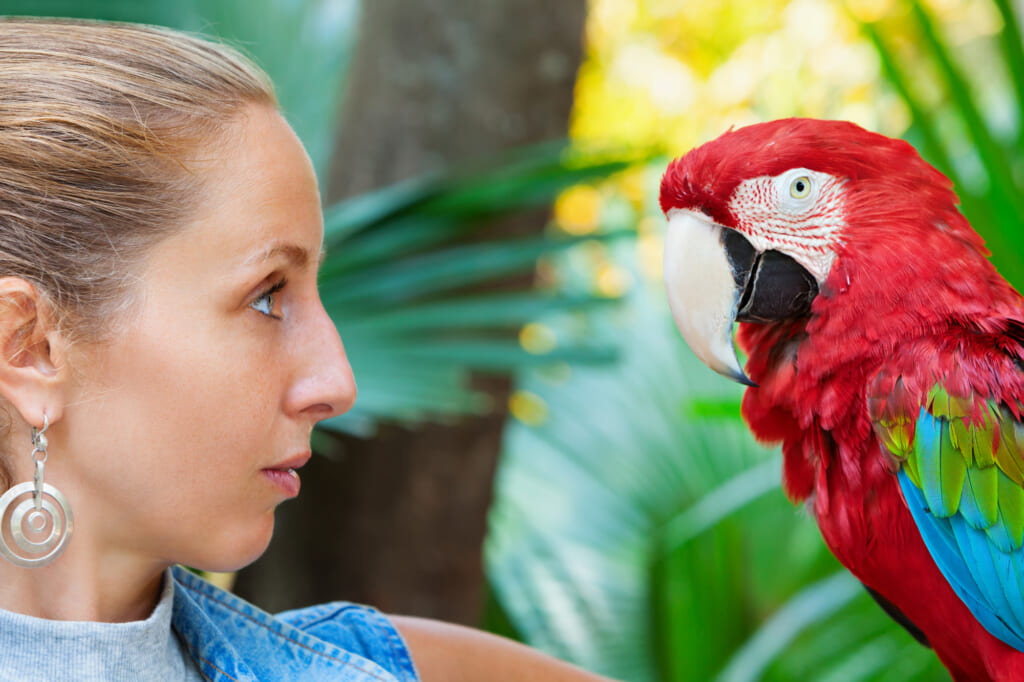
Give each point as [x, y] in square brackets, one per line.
[35, 518]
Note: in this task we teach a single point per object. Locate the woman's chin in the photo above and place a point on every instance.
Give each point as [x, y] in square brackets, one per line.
[233, 551]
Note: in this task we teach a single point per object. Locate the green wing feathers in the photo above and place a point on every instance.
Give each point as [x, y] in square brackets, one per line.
[965, 454]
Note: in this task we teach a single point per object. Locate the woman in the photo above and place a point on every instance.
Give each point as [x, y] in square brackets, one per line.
[165, 357]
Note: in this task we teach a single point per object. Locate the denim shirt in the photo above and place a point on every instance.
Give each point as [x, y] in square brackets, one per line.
[230, 639]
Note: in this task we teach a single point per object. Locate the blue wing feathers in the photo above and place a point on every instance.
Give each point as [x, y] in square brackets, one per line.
[938, 462]
[938, 536]
[1013, 589]
[986, 579]
[926, 445]
[986, 570]
[969, 506]
[984, 485]
[1000, 535]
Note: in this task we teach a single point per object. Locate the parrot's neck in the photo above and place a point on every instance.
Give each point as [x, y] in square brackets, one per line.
[883, 293]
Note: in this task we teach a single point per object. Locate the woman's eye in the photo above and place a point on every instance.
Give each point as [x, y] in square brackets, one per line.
[264, 303]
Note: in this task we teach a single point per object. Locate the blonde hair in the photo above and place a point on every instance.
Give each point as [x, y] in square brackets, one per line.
[98, 124]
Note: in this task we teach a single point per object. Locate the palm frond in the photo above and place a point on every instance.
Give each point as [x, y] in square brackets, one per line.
[401, 281]
[956, 130]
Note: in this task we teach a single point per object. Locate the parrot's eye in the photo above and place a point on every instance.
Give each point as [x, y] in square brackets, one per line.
[800, 188]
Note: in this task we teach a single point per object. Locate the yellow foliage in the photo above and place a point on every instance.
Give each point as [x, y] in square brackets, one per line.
[612, 281]
[537, 338]
[577, 209]
[528, 407]
[676, 74]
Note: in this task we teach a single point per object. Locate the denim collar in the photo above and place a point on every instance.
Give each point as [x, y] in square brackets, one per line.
[230, 639]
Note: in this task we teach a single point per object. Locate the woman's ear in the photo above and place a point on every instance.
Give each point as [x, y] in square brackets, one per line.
[31, 352]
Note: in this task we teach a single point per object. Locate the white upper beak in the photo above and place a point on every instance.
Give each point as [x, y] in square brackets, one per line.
[702, 293]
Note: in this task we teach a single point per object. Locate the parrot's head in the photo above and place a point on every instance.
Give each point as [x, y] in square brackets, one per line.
[759, 218]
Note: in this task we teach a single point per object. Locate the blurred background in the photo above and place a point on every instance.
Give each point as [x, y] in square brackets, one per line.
[534, 449]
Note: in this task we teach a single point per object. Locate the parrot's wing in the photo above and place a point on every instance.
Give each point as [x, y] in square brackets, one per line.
[961, 469]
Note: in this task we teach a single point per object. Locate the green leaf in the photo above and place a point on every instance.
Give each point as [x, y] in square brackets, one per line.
[492, 311]
[1013, 54]
[930, 146]
[924, 129]
[718, 504]
[812, 605]
[346, 218]
[994, 157]
[442, 271]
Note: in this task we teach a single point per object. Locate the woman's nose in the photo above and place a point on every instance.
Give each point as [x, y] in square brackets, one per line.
[324, 386]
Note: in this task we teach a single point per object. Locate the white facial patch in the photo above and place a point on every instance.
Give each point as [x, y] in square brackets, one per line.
[799, 212]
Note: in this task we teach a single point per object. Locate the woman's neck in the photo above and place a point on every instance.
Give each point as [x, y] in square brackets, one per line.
[83, 585]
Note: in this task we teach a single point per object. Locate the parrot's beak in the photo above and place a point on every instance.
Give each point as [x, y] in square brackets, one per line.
[714, 278]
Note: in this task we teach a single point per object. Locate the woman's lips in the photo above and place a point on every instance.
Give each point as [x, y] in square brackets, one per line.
[284, 476]
[287, 480]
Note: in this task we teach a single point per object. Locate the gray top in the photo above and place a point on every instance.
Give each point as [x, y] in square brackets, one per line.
[39, 649]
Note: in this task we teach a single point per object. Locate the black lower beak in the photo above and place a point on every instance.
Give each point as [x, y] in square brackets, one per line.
[774, 286]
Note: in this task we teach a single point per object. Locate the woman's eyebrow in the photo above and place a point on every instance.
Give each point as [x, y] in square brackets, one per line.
[296, 255]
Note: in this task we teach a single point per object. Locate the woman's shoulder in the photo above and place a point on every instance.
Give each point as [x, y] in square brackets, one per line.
[230, 638]
[357, 628]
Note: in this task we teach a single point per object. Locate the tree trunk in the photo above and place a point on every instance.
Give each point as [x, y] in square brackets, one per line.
[398, 521]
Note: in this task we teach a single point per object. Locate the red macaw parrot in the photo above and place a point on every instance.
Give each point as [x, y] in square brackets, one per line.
[886, 354]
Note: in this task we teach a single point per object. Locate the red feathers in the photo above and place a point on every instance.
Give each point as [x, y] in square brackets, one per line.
[707, 175]
[910, 288]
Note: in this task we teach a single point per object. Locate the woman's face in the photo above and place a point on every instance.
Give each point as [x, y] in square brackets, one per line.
[178, 436]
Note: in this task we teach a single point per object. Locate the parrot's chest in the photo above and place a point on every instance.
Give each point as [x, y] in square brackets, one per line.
[855, 497]
[832, 460]
[862, 517]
